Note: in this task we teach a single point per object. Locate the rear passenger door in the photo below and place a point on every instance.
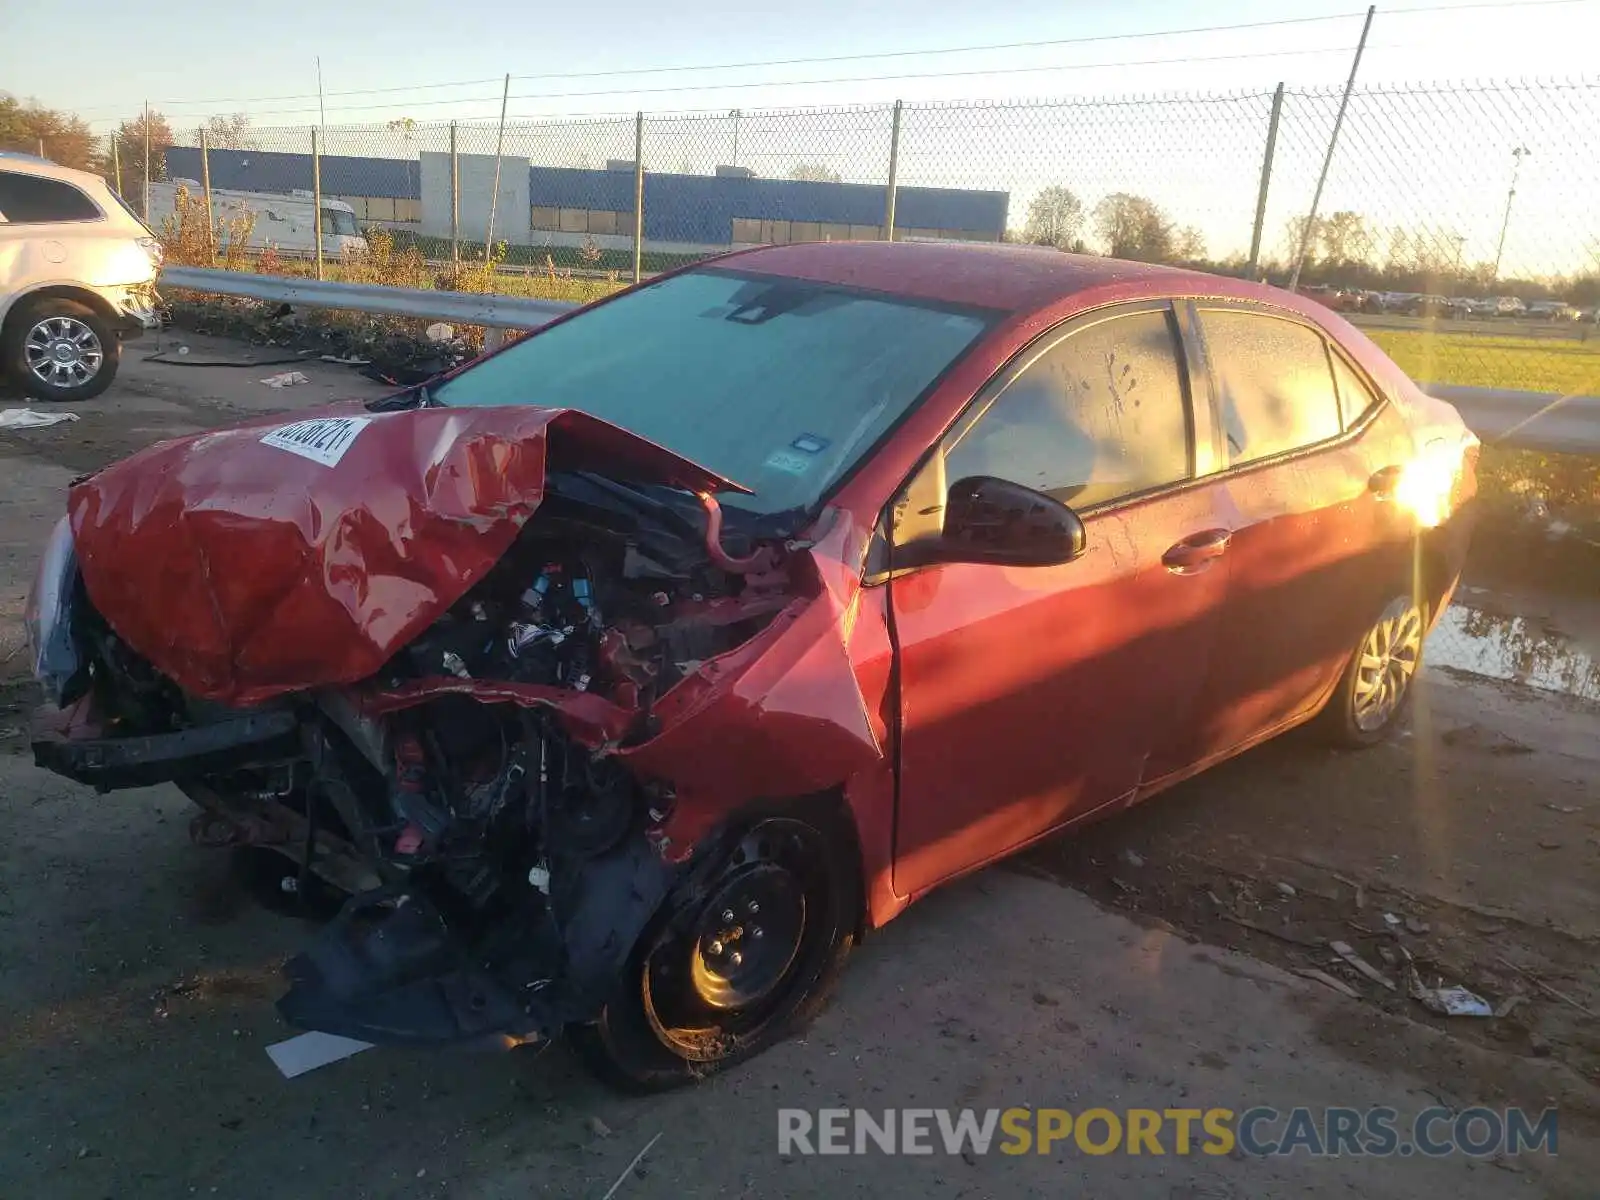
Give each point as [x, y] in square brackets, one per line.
[1302, 444]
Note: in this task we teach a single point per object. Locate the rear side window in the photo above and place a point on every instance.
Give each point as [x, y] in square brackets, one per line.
[1100, 415]
[1355, 397]
[28, 199]
[1274, 385]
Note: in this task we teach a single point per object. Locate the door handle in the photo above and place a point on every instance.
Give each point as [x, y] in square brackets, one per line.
[1197, 551]
[1384, 482]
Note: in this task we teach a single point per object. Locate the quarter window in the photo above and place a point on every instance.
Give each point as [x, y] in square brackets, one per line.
[1274, 385]
[30, 199]
[1355, 397]
[1100, 415]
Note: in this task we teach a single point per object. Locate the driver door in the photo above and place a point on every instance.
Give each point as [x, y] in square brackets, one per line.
[1032, 695]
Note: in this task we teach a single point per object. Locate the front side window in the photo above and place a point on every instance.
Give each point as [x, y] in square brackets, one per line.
[30, 199]
[779, 384]
[1273, 383]
[1100, 415]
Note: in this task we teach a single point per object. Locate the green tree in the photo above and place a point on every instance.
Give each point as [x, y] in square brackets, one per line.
[1131, 226]
[130, 139]
[65, 138]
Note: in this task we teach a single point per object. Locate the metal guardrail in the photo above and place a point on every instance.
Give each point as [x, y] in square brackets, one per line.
[1528, 420]
[463, 308]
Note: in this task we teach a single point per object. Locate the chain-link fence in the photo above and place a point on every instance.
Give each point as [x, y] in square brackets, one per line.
[1458, 223]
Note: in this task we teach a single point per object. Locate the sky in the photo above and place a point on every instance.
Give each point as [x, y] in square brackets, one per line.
[199, 57]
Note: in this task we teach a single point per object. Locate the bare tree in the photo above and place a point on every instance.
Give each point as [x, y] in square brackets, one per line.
[228, 133]
[1054, 219]
[1131, 226]
[1345, 237]
[1189, 244]
[814, 173]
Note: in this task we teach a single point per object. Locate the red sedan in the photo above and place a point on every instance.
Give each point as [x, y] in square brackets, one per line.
[619, 682]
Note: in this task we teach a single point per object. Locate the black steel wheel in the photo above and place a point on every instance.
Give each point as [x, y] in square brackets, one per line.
[742, 964]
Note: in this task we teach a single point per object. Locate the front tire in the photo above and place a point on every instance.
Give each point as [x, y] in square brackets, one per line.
[743, 963]
[58, 350]
[1375, 690]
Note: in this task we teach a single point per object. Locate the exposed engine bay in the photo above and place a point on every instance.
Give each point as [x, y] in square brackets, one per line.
[469, 796]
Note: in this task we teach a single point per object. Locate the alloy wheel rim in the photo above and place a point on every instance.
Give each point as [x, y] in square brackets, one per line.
[1388, 660]
[63, 352]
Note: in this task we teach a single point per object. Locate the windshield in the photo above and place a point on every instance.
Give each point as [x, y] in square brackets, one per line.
[336, 220]
[779, 384]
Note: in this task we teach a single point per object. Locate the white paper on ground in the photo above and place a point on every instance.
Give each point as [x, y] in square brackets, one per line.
[312, 1050]
[26, 418]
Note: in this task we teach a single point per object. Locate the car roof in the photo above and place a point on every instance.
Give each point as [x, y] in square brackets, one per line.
[1012, 278]
[32, 164]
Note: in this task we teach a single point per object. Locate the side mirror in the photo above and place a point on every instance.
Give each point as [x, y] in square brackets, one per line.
[989, 520]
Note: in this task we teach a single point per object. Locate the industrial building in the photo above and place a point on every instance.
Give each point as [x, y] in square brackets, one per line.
[565, 206]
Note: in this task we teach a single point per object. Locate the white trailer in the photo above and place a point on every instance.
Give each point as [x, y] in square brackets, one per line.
[282, 221]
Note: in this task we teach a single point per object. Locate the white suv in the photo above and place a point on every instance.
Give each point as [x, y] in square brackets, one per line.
[77, 274]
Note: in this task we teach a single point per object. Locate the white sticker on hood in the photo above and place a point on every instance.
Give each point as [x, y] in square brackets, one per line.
[322, 440]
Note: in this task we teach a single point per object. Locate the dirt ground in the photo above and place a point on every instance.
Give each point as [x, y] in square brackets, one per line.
[1160, 957]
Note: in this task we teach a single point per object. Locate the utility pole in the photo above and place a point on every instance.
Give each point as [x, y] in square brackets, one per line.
[1327, 160]
[1517, 156]
[736, 114]
[322, 116]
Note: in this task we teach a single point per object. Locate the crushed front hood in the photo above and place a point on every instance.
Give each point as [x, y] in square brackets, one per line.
[279, 556]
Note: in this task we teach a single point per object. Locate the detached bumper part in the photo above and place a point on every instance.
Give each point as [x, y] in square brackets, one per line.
[395, 975]
[119, 762]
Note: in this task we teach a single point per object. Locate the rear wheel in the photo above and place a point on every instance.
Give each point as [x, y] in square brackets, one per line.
[1375, 690]
[58, 349]
[747, 962]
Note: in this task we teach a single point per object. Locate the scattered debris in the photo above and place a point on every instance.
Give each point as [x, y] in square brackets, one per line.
[27, 418]
[1392, 921]
[1133, 858]
[1418, 927]
[626, 1171]
[309, 1051]
[1447, 1001]
[1510, 1005]
[285, 379]
[1565, 809]
[598, 1127]
[1282, 935]
[1322, 977]
[1549, 844]
[346, 360]
[1345, 951]
[1548, 990]
[1286, 889]
[439, 332]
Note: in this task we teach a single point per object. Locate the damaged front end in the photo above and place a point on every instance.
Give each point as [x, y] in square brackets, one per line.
[446, 747]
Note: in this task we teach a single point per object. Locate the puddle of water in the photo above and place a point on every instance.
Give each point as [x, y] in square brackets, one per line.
[1514, 648]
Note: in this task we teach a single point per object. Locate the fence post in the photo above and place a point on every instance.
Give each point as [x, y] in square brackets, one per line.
[1327, 159]
[638, 195]
[41, 148]
[1266, 180]
[116, 161]
[455, 202]
[316, 195]
[894, 175]
[205, 186]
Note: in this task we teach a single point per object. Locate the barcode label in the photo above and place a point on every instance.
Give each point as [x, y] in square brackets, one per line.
[323, 440]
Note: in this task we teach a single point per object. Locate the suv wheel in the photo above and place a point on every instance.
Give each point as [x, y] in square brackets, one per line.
[57, 349]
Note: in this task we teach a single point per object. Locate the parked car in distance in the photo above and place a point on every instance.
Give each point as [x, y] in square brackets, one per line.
[77, 275]
[1433, 306]
[822, 575]
[1552, 310]
[1338, 299]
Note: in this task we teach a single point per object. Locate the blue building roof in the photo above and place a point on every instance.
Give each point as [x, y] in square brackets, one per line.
[677, 208]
